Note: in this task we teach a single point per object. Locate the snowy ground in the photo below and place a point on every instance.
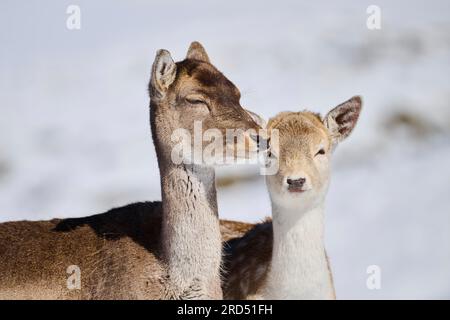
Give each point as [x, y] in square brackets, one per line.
[74, 132]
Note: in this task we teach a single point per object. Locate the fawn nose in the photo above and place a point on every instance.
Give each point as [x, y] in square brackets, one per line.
[296, 183]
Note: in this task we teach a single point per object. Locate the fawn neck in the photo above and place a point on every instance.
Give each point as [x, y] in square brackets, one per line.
[299, 267]
[191, 241]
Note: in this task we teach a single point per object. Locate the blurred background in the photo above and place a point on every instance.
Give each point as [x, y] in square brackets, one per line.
[75, 137]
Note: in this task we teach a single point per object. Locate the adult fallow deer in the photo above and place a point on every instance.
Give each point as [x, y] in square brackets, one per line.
[154, 250]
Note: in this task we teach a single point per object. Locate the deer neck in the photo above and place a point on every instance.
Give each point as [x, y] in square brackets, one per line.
[191, 241]
[299, 267]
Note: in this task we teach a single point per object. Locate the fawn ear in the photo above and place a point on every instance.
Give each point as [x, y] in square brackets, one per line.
[197, 52]
[164, 71]
[341, 120]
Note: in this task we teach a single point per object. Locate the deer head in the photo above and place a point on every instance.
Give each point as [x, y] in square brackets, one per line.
[306, 143]
[193, 96]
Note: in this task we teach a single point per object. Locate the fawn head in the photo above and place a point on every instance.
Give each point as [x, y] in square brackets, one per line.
[306, 142]
[194, 96]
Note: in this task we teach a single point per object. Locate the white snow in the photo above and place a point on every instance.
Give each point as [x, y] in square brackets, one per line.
[75, 137]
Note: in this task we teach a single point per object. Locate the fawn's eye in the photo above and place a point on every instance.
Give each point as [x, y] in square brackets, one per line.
[321, 152]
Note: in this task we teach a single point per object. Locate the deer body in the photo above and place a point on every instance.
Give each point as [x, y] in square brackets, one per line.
[107, 249]
[285, 258]
[118, 252]
[163, 250]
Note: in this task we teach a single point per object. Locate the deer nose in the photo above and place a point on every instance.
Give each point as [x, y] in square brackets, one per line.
[296, 183]
[261, 142]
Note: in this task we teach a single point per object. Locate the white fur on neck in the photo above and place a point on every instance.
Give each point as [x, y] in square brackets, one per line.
[299, 267]
[192, 241]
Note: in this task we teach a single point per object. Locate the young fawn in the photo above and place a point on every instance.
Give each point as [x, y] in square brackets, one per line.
[285, 258]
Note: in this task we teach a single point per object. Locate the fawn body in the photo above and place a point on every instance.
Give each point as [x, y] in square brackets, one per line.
[285, 258]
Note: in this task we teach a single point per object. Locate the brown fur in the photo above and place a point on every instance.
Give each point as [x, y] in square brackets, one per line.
[107, 247]
[118, 253]
[246, 262]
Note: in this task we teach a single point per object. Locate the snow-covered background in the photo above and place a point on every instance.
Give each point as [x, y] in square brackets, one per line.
[75, 139]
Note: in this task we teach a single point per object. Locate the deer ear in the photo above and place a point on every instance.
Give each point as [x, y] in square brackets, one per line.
[163, 73]
[197, 52]
[341, 120]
